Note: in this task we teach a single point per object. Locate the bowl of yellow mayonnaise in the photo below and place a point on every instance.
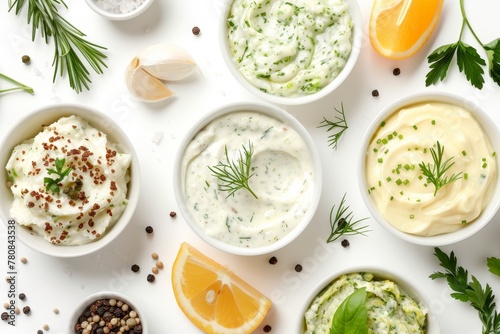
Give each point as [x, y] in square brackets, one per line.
[247, 178]
[290, 52]
[428, 169]
[373, 298]
[70, 179]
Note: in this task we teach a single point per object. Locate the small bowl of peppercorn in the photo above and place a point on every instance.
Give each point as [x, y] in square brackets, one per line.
[428, 168]
[70, 180]
[119, 10]
[107, 312]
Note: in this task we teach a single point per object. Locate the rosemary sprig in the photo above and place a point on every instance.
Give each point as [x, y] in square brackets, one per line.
[19, 86]
[339, 125]
[234, 176]
[53, 184]
[69, 42]
[482, 299]
[342, 224]
[436, 173]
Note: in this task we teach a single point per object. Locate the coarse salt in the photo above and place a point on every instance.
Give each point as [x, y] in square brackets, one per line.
[119, 6]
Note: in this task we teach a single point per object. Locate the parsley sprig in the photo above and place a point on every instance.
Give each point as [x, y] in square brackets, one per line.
[436, 173]
[494, 265]
[19, 86]
[342, 224]
[339, 126]
[472, 292]
[53, 184]
[69, 42]
[468, 59]
[232, 175]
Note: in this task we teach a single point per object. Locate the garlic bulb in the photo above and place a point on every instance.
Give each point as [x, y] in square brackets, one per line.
[156, 63]
[143, 85]
[167, 62]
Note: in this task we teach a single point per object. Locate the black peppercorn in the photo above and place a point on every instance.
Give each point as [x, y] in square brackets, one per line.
[273, 260]
[25, 59]
[5, 316]
[345, 243]
[267, 329]
[173, 214]
[396, 71]
[135, 268]
[149, 229]
[151, 278]
[39, 331]
[22, 296]
[26, 310]
[375, 93]
[298, 268]
[196, 31]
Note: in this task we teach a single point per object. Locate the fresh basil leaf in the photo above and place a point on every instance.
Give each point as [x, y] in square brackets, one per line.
[494, 265]
[352, 314]
[470, 62]
[493, 53]
[439, 60]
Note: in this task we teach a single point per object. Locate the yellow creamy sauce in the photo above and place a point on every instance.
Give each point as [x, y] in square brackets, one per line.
[290, 47]
[90, 199]
[403, 195]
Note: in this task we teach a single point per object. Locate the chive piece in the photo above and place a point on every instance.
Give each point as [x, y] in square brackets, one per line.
[433, 122]
[466, 176]
[380, 160]
[464, 153]
[412, 216]
[382, 124]
[415, 127]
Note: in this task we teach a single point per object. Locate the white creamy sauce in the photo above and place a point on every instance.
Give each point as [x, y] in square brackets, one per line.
[390, 308]
[91, 197]
[283, 179]
[403, 194]
[290, 47]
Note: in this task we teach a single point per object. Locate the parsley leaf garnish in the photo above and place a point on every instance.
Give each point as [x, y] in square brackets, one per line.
[53, 184]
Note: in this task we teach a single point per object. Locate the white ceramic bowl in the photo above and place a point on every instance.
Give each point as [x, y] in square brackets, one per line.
[356, 40]
[273, 112]
[86, 302]
[432, 324]
[489, 128]
[118, 16]
[28, 127]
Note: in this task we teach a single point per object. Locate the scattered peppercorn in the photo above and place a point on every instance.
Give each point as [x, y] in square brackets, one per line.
[22, 296]
[149, 229]
[155, 270]
[24, 260]
[25, 59]
[273, 260]
[267, 329]
[26, 310]
[345, 243]
[151, 278]
[396, 71]
[196, 31]
[45, 327]
[173, 214]
[5, 316]
[55, 310]
[135, 268]
[159, 264]
[39, 331]
[375, 93]
[154, 256]
[298, 268]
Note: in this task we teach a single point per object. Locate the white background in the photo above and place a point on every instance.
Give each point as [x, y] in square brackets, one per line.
[53, 282]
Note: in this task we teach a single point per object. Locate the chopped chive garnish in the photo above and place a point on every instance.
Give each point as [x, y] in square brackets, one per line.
[380, 160]
[464, 153]
[415, 127]
[433, 122]
[398, 182]
[382, 124]
[466, 176]
[412, 216]
[464, 221]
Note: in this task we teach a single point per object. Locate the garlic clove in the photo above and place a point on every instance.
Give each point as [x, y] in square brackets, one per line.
[167, 62]
[143, 85]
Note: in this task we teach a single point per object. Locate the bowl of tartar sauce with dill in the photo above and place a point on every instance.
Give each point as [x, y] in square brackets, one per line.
[247, 178]
[393, 304]
[290, 52]
[428, 168]
[70, 180]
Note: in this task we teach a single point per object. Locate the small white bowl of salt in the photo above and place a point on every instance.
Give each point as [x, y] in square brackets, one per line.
[119, 9]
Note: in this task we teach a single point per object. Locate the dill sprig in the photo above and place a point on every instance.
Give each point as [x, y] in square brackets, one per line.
[232, 175]
[436, 173]
[69, 42]
[342, 224]
[481, 299]
[339, 125]
[19, 86]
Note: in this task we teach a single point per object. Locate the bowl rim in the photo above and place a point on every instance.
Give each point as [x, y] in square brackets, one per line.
[413, 290]
[357, 41]
[272, 111]
[82, 304]
[490, 130]
[119, 17]
[51, 113]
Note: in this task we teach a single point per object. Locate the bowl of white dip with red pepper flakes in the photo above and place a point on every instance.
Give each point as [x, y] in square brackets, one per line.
[71, 180]
[247, 178]
[428, 168]
[290, 52]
